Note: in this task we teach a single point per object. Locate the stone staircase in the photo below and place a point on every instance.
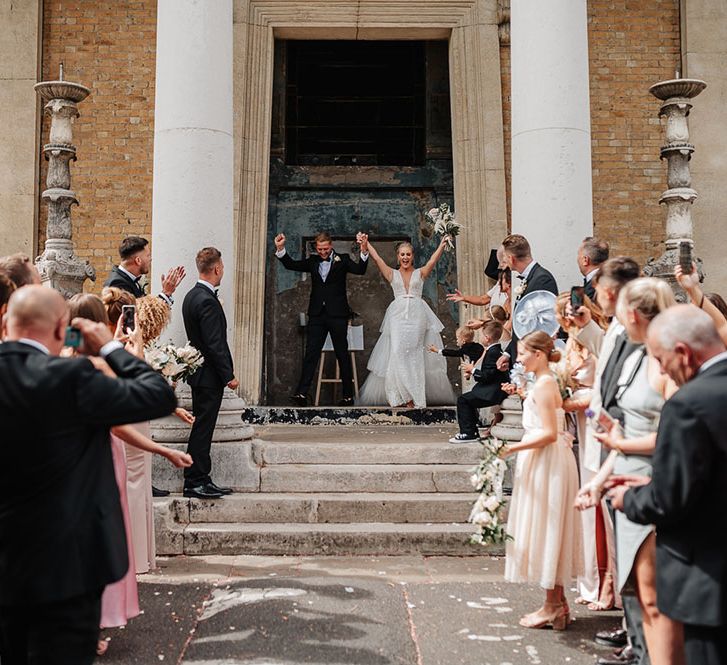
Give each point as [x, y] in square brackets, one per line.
[311, 490]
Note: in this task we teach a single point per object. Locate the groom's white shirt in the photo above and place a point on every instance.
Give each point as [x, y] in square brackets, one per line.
[324, 267]
[211, 287]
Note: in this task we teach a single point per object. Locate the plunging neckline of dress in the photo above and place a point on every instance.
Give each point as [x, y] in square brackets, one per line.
[406, 288]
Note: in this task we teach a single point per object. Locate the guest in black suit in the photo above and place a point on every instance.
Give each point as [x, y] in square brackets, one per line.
[328, 310]
[136, 261]
[527, 276]
[206, 326]
[592, 254]
[487, 390]
[63, 532]
[686, 496]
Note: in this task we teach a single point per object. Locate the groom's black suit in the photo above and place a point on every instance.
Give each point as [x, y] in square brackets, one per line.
[686, 500]
[206, 327]
[61, 527]
[328, 312]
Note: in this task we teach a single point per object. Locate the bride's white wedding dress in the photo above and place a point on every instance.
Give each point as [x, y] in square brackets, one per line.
[401, 368]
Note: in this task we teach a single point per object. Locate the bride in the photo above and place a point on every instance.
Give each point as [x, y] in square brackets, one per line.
[402, 372]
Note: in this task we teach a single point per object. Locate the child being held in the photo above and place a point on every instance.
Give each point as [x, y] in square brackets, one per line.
[487, 390]
[467, 349]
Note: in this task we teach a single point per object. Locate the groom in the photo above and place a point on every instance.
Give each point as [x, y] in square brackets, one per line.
[328, 310]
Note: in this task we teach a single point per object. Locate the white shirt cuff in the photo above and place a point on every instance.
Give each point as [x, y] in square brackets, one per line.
[281, 253]
[505, 353]
[167, 299]
[110, 347]
[364, 256]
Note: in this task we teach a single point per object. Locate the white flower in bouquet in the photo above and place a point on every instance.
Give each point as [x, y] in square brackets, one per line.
[492, 503]
[443, 223]
[488, 479]
[174, 363]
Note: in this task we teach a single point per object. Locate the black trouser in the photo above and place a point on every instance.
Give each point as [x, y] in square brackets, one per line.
[206, 404]
[318, 329]
[63, 633]
[705, 645]
[467, 415]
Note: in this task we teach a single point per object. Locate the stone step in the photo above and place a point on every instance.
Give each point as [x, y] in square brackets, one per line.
[378, 452]
[329, 539]
[348, 416]
[366, 478]
[321, 508]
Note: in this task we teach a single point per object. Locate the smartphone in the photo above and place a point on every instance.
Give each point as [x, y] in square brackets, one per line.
[604, 422]
[576, 297]
[128, 313]
[685, 256]
[73, 337]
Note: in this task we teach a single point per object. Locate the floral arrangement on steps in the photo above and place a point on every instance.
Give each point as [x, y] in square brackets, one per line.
[487, 479]
[443, 223]
[175, 363]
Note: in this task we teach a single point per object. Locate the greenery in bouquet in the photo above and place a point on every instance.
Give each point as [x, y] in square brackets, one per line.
[443, 223]
[175, 363]
[487, 479]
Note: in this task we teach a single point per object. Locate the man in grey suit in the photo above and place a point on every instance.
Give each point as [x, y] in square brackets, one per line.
[687, 494]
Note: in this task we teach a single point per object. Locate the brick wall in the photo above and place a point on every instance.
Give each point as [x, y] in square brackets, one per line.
[108, 46]
[633, 44]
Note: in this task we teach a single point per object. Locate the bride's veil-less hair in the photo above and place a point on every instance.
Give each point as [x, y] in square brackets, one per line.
[403, 243]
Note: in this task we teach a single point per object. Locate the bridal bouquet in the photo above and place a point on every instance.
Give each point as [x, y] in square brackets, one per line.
[443, 223]
[174, 362]
[487, 480]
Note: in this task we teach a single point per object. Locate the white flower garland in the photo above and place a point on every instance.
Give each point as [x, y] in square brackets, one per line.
[487, 480]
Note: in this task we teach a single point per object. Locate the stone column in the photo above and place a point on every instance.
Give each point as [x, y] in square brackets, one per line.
[551, 132]
[193, 162]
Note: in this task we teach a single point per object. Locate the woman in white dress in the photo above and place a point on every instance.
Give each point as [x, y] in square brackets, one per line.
[546, 532]
[401, 370]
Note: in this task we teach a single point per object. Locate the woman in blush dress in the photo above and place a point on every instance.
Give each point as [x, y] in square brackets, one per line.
[401, 370]
[546, 531]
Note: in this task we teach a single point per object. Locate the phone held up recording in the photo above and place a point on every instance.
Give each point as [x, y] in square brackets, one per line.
[128, 313]
[577, 294]
[685, 256]
[601, 422]
[73, 337]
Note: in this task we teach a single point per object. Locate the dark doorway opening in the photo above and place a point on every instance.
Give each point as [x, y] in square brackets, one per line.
[352, 102]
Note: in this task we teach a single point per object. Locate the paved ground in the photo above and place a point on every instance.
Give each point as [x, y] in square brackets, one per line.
[343, 611]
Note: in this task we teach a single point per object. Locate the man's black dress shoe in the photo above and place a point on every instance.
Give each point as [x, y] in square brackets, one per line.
[201, 492]
[611, 638]
[346, 401]
[155, 491]
[300, 399]
[623, 656]
[217, 488]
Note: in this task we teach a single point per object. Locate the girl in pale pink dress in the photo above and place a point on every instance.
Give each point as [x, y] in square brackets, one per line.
[546, 531]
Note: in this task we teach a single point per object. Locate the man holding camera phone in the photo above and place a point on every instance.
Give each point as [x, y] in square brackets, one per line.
[56, 414]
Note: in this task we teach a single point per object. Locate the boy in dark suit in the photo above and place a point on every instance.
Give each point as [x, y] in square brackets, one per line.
[206, 327]
[328, 310]
[487, 390]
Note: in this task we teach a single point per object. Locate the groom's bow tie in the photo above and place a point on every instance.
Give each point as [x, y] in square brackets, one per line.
[521, 277]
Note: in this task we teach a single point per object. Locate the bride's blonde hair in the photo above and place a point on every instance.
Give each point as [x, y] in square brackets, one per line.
[404, 243]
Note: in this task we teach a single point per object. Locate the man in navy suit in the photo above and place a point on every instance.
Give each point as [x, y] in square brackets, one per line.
[328, 310]
[206, 327]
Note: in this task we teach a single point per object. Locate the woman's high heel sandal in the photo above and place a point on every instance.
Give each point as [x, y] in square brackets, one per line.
[557, 616]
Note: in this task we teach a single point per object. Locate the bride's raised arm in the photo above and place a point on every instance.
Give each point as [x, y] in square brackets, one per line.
[384, 269]
[426, 269]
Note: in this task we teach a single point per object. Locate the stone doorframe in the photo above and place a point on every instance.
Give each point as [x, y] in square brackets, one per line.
[471, 26]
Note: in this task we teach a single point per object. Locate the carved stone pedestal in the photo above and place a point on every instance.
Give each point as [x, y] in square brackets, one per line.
[510, 428]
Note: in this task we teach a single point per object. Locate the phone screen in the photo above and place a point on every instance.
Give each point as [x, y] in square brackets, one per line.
[127, 314]
[576, 297]
[73, 337]
[685, 257]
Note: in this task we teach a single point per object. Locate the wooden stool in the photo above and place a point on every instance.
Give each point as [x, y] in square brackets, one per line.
[337, 379]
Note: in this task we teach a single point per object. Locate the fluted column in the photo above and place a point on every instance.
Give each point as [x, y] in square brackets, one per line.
[551, 134]
[193, 159]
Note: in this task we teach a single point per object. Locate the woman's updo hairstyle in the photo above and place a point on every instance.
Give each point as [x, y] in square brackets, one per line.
[114, 299]
[404, 243]
[540, 341]
[648, 296]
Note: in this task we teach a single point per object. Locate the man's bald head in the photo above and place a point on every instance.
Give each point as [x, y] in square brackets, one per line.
[39, 313]
[682, 338]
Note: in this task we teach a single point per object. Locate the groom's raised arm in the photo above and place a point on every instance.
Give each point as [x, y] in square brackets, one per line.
[357, 267]
[290, 263]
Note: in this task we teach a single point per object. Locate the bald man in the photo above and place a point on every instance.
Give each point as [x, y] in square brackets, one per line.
[62, 532]
[686, 497]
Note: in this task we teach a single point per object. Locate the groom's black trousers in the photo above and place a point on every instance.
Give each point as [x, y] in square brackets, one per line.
[318, 328]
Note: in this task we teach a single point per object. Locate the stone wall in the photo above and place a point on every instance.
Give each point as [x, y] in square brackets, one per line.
[110, 48]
